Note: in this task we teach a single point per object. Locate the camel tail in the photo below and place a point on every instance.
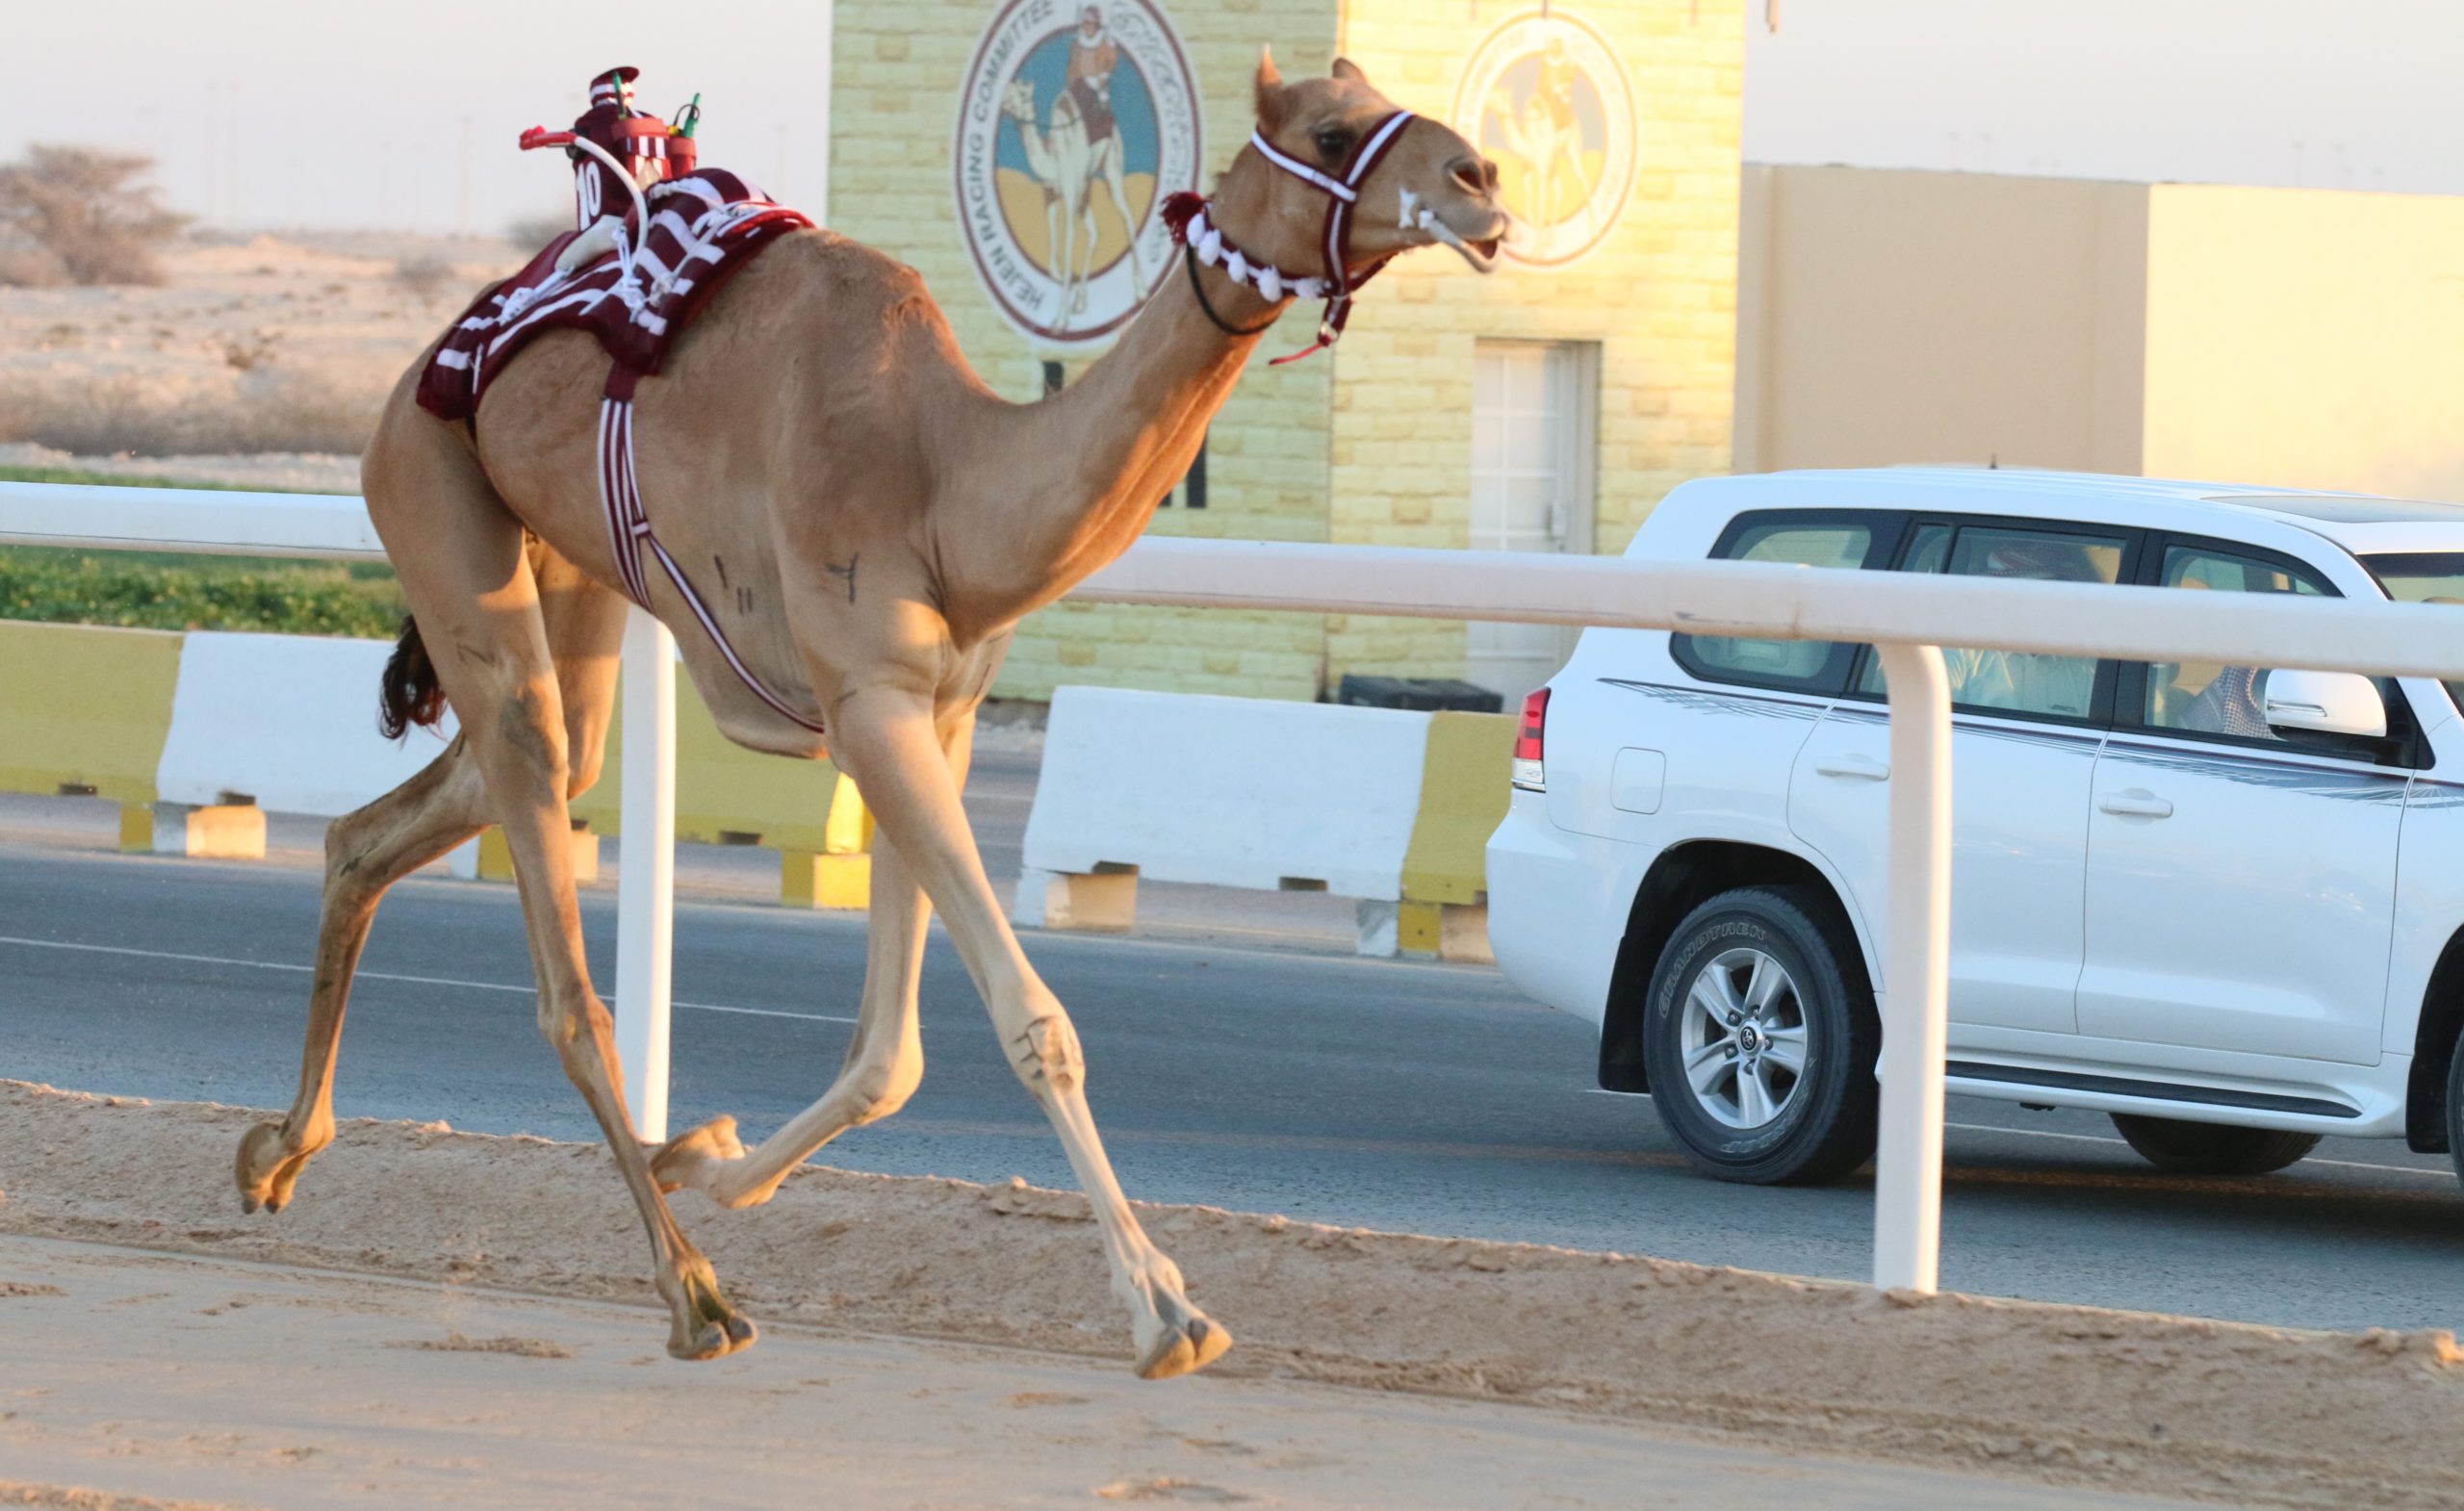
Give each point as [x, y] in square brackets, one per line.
[409, 693]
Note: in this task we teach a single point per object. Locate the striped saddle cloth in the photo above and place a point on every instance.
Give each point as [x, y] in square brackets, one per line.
[704, 228]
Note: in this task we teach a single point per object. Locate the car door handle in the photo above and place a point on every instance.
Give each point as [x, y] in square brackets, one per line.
[1855, 768]
[2136, 802]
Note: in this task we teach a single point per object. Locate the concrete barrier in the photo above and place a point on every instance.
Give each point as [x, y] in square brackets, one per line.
[197, 735]
[1464, 791]
[1388, 807]
[88, 710]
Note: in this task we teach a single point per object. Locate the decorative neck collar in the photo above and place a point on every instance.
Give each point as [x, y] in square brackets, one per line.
[1184, 215]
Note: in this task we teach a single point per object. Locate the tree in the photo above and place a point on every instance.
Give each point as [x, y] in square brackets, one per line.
[91, 209]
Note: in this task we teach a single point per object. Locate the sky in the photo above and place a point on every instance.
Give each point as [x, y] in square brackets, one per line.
[349, 113]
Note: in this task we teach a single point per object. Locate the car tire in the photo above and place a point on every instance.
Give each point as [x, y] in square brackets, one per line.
[2453, 1115]
[1793, 1124]
[2183, 1148]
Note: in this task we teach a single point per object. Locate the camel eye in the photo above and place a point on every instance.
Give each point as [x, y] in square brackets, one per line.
[1332, 143]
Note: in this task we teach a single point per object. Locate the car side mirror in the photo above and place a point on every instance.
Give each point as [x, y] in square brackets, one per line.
[2326, 703]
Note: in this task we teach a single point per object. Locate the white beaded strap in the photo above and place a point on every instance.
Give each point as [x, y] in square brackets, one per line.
[1207, 244]
[1294, 166]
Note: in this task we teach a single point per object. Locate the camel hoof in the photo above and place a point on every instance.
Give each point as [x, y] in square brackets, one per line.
[693, 1158]
[1185, 1349]
[710, 1341]
[266, 1168]
[715, 1336]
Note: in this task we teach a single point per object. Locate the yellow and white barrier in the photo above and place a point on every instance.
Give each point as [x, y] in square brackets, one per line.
[1392, 808]
[197, 735]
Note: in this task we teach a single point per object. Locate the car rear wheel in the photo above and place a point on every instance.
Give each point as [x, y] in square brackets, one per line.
[2211, 1148]
[1760, 1039]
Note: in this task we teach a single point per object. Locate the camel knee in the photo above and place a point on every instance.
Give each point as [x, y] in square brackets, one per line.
[877, 1088]
[575, 1029]
[1046, 1056]
[582, 776]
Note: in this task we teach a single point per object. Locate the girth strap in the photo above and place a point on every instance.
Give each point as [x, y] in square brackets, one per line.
[628, 533]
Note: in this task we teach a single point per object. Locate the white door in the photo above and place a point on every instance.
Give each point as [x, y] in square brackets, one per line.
[2240, 887]
[1530, 490]
[2024, 748]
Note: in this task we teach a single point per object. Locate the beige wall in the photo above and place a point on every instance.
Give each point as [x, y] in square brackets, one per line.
[1891, 317]
[2307, 338]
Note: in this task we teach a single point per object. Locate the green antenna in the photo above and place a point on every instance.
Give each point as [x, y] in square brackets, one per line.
[688, 120]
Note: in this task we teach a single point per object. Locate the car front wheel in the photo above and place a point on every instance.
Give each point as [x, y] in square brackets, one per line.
[2211, 1148]
[1761, 1038]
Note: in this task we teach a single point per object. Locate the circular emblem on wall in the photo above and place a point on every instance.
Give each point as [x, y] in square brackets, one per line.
[1547, 99]
[1076, 120]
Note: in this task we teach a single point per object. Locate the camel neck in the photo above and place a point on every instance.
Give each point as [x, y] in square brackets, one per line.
[1045, 494]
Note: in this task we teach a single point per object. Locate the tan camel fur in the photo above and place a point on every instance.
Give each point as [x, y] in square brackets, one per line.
[869, 523]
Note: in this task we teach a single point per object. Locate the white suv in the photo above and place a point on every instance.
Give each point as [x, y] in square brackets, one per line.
[2235, 923]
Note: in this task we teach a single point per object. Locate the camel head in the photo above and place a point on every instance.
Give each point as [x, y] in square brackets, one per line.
[1430, 188]
[1018, 101]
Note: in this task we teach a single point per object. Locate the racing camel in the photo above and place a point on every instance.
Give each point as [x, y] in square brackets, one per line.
[867, 523]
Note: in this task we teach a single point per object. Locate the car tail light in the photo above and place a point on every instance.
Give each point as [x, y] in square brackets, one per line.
[1530, 769]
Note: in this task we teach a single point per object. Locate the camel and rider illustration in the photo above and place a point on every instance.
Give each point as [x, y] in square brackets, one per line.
[1078, 146]
[1544, 134]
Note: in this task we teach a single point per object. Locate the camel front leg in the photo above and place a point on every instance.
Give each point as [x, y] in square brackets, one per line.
[884, 737]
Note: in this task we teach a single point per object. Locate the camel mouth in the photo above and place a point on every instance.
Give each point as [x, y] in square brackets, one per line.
[1478, 253]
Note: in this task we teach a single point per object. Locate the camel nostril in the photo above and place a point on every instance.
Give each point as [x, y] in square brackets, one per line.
[1475, 174]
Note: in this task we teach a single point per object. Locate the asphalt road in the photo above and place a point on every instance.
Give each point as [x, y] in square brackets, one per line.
[1372, 1093]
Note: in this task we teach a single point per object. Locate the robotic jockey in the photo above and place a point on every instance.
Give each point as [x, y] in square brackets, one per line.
[651, 150]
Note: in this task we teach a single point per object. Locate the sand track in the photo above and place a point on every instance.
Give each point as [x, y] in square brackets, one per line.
[2150, 1405]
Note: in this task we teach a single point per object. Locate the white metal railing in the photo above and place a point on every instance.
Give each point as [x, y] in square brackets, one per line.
[1906, 616]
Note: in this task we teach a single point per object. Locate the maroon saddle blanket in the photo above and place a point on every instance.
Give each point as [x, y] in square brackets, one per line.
[705, 228]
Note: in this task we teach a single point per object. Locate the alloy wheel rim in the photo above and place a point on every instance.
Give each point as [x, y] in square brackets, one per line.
[1742, 1038]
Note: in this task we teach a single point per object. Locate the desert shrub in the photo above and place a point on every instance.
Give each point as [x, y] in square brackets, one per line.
[424, 276]
[91, 211]
[26, 266]
[533, 232]
[269, 409]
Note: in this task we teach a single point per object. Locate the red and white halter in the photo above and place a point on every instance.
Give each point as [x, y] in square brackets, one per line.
[1185, 214]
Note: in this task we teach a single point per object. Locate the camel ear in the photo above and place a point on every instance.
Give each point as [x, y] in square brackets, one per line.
[1349, 72]
[1269, 91]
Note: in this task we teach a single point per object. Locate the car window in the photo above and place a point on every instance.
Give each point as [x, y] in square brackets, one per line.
[2012, 682]
[2422, 578]
[1805, 664]
[2211, 696]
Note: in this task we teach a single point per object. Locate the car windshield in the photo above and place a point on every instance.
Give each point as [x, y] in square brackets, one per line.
[2426, 576]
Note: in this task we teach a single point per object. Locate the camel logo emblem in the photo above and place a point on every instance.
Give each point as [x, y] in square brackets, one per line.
[1076, 120]
[1546, 97]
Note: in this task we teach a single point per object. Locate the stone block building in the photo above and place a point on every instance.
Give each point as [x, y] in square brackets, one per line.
[1545, 408]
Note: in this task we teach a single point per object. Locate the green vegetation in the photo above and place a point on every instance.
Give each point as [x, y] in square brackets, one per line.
[160, 590]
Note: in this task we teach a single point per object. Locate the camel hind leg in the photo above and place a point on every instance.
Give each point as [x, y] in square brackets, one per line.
[369, 850]
[478, 597]
[365, 853]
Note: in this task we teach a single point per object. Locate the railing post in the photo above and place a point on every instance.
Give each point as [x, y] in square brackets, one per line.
[1908, 1155]
[646, 881]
